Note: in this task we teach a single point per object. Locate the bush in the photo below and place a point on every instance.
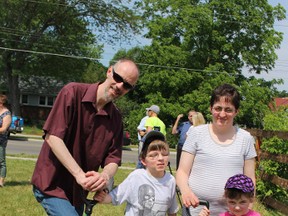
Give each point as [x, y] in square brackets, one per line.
[276, 121]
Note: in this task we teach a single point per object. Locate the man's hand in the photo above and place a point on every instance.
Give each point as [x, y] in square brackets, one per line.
[180, 116]
[96, 181]
[82, 180]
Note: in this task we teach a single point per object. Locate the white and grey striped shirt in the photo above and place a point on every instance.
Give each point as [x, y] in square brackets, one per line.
[215, 163]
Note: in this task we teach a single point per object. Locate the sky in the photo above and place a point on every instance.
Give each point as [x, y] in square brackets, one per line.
[281, 65]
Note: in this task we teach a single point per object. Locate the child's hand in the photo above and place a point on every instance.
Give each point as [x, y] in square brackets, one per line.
[204, 212]
[100, 196]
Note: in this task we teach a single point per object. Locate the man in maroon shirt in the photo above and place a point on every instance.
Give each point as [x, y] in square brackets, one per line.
[84, 131]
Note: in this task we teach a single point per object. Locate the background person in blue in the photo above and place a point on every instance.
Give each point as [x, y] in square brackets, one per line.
[182, 129]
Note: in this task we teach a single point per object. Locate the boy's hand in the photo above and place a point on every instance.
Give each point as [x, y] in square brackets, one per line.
[204, 212]
[100, 196]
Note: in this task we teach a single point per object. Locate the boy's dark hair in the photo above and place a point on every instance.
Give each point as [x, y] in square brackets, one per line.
[150, 137]
[155, 145]
[229, 92]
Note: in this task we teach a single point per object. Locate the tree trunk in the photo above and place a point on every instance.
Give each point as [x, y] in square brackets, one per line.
[13, 88]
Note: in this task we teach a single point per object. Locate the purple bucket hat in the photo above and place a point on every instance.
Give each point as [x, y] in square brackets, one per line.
[241, 182]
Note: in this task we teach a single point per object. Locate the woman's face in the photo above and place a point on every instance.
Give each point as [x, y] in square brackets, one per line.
[223, 113]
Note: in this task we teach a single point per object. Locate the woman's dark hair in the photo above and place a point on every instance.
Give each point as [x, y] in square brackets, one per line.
[229, 92]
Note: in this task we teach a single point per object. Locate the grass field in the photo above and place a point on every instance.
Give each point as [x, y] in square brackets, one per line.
[17, 198]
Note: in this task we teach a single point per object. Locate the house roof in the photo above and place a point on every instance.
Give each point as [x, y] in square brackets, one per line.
[40, 85]
[279, 102]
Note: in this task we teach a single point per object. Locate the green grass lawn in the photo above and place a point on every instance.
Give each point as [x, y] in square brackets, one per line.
[17, 198]
[32, 130]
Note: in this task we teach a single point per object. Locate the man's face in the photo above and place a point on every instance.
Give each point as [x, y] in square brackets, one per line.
[121, 79]
[190, 115]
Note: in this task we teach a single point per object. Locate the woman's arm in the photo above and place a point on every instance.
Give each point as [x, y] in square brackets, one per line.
[182, 176]
[5, 124]
[249, 169]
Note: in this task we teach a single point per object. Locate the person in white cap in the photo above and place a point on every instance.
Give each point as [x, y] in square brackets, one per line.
[153, 122]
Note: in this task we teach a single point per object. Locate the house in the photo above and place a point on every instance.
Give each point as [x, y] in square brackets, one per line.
[37, 96]
[278, 102]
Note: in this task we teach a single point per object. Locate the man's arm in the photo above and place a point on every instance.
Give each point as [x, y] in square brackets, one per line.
[60, 150]
[91, 181]
[174, 129]
[148, 129]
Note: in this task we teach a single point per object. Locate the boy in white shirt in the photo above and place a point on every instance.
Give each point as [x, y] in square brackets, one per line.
[149, 191]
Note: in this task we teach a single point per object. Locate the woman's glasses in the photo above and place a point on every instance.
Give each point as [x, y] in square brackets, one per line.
[219, 109]
[120, 79]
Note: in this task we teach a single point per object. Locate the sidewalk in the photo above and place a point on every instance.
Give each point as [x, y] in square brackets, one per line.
[27, 136]
[38, 137]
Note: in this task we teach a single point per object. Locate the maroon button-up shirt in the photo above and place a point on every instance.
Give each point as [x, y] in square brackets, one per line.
[93, 138]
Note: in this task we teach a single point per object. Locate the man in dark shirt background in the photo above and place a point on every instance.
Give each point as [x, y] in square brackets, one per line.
[83, 131]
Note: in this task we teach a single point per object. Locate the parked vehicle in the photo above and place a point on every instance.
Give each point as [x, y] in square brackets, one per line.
[17, 125]
[126, 138]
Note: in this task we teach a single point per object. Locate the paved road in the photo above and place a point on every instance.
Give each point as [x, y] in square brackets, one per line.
[32, 146]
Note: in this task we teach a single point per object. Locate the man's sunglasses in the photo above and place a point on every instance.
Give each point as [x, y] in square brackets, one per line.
[119, 79]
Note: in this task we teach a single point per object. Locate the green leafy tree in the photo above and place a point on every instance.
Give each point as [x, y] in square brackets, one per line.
[198, 45]
[42, 37]
[234, 33]
[256, 96]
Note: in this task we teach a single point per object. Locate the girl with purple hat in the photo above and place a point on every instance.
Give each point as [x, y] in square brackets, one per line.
[239, 195]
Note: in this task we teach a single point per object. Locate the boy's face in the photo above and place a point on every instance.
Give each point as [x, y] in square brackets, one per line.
[239, 206]
[156, 162]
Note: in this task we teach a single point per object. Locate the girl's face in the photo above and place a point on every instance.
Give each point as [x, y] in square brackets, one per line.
[223, 113]
[239, 206]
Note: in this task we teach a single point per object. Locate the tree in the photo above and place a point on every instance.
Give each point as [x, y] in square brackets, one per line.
[40, 37]
[234, 33]
[198, 45]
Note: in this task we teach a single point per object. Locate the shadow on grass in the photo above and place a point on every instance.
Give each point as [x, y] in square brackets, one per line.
[20, 138]
[17, 183]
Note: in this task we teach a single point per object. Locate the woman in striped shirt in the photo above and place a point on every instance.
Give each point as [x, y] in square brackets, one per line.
[214, 152]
